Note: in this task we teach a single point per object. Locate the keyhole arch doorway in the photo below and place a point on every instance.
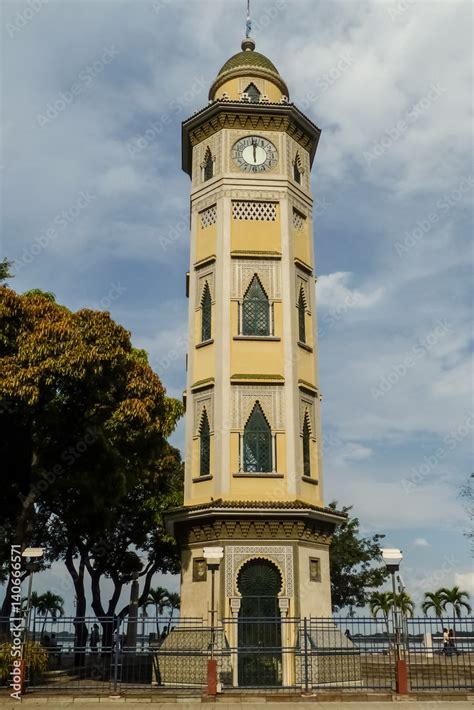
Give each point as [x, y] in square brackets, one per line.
[259, 582]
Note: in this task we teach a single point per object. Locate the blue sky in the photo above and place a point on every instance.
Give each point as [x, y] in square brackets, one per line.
[95, 209]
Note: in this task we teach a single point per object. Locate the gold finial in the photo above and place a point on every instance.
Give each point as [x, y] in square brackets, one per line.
[248, 44]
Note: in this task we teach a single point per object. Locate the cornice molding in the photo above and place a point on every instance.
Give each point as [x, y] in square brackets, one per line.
[247, 116]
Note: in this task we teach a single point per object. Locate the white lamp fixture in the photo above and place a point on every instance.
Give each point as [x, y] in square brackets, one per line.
[213, 555]
[392, 558]
[32, 552]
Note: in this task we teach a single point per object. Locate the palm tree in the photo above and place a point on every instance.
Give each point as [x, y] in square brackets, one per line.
[52, 605]
[37, 604]
[174, 602]
[381, 602]
[433, 601]
[405, 604]
[458, 600]
[158, 598]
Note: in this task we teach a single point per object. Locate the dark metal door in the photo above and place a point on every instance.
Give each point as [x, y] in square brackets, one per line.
[259, 632]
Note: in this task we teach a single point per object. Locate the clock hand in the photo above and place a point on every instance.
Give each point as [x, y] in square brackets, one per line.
[254, 143]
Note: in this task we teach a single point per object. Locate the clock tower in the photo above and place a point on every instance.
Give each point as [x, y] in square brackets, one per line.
[254, 479]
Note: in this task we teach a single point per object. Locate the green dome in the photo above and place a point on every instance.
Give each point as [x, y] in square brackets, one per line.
[246, 62]
[248, 59]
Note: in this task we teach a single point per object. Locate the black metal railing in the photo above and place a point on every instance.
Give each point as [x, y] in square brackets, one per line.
[270, 653]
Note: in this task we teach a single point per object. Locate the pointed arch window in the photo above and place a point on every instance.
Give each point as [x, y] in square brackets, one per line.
[206, 314]
[257, 443]
[297, 169]
[301, 318]
[208, 165]
[306, 447]
[255, 310]
[204, 446]
[253, 93]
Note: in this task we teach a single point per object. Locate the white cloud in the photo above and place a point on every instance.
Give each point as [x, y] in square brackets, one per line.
[421, 542]
[335, 294]
[465, 580]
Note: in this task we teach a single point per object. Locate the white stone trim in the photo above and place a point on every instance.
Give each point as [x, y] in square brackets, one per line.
[237, 555]
[271, 399]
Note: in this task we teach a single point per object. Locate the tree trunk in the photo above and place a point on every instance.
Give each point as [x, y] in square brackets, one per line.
[80, 626]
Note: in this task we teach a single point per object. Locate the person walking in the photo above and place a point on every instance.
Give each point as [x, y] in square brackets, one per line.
[451, 642]
[94, 638]
[445, 641]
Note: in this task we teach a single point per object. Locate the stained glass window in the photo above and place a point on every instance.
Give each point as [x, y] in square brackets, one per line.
[255, 310]
[301, 318]
[206, 308]
[205, 446]
[208, 166]
[253, 92]
[306, 448]
[257, 443]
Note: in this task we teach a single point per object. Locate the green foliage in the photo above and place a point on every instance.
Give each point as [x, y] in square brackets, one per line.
[36, 657]
[455, 598]
[355, 564]
[5, 270]
[84, 421]
[433, 601]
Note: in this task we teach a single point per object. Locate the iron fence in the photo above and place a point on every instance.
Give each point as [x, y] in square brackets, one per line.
[269, 653]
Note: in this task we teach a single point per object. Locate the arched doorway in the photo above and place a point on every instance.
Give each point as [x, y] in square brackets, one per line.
[259, 632]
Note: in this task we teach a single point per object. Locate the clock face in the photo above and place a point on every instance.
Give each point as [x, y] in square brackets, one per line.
[254, 154]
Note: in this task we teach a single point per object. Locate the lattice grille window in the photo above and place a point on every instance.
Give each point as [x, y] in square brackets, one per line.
[262, 211]
[204, 446]
[299, 220]
[257, 443]
[306, 447]
[208, 217]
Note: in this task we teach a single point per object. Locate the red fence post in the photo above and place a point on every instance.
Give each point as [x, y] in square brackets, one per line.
[401, 677]
[212, 677]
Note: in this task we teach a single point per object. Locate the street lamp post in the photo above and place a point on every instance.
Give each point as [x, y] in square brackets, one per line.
[213, 557]
[392, 558]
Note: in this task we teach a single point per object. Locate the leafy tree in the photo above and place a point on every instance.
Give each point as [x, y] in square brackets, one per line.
[433, 601]
[50, 604]
[157, 597]
[457, 599]
[355, 564]
[5, 270]
[381, 603]
[174, 603]
[84, 422]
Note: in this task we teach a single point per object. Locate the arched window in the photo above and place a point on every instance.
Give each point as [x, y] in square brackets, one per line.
[204, 446]
[206, 314]
[297, 169]
[257, 443]
[306, 447]
[255, 310]
[208, 166]
[253, 93]
[301, 318]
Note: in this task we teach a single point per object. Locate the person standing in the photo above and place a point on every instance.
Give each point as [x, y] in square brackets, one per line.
[451, 642]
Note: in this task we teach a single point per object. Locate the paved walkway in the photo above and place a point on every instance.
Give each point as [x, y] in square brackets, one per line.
[84, 703]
